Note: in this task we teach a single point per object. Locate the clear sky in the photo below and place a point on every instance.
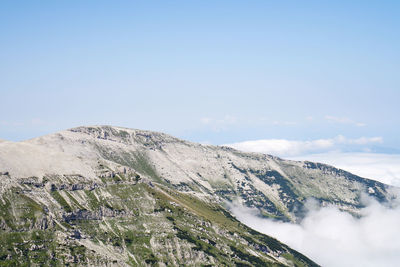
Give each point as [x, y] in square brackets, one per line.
[207, 71]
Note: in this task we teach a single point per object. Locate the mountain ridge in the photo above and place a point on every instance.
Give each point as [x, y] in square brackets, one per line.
[81, 148]
[92, 176]
[101, 208]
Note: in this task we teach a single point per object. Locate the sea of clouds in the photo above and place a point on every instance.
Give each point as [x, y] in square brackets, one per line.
[335, 238]
[327, 235]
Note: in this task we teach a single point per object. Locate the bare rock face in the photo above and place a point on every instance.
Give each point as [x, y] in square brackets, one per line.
[106, 195]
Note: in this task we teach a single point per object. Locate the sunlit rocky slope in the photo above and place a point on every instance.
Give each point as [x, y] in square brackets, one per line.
[107, 195]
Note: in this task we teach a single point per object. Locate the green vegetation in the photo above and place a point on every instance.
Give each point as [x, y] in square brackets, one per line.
[138, 224]
[63, 203]
[18, 211]
[76, 203]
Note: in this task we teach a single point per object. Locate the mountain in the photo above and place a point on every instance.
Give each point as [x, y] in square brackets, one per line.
[106, 195]
[277, 187]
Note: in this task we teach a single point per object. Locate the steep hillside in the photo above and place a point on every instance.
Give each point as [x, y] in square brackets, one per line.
[125, 220]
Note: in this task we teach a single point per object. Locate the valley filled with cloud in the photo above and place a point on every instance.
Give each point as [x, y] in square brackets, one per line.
[326, 234]
[335, 238]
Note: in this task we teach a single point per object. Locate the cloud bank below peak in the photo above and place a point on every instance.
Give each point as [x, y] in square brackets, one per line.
[291, 148]
[335, 238]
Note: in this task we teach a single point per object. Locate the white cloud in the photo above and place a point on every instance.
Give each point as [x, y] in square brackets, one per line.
[206, 120]
[289, 148]
[219, 124]
[222, 123]
[226, 120]
[360, 124]
[327, 235]
[363, 140]
[284, 123]
[335, 238]
[309, 118]
[344, 120]
[282, 147]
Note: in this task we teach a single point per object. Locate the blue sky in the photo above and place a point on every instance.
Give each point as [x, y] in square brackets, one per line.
[207, 71]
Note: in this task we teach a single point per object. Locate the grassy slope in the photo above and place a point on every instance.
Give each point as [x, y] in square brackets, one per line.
[128, 223]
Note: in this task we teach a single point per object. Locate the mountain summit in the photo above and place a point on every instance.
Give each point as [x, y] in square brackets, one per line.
[101, 195]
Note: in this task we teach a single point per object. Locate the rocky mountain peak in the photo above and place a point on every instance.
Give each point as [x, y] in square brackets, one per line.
[124, 135]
